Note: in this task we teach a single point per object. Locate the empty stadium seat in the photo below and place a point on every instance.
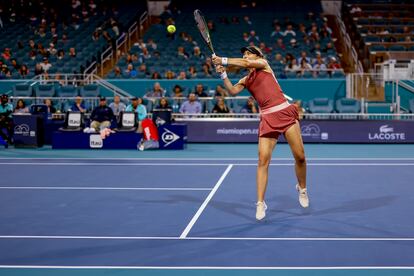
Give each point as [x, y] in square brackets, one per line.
[346, 105]
[411, 105]
[45, 90]
[68, 91]
[90, 90]
[321, 105]
[22, 90]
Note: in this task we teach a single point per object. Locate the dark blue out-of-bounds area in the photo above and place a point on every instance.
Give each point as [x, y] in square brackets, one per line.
[194, 215]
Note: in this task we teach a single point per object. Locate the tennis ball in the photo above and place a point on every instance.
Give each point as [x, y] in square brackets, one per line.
[171, 29]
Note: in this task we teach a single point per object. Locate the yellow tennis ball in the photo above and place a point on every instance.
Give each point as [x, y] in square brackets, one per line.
[171, 29]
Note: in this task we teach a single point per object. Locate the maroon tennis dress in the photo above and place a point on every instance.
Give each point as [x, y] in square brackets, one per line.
[276, 114]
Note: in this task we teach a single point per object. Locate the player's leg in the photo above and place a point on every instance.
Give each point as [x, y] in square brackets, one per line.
[294, 138]
[266, 146]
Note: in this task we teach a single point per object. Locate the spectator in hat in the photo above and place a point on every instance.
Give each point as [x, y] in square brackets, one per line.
[101, 116]
[137, 106]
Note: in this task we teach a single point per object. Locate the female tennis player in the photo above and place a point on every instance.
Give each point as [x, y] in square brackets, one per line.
[277, 117]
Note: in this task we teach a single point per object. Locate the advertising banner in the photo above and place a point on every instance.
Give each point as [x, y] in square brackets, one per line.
[313, 131]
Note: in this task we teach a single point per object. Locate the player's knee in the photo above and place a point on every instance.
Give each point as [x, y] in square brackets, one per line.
[300, 158]
[264, 161]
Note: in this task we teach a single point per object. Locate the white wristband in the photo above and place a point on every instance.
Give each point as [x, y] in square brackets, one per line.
[224, 61]
[223, 75]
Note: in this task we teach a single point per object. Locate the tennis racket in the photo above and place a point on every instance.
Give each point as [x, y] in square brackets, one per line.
[202, 27]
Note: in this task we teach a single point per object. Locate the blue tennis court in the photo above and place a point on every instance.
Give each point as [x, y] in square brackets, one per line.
[164, 215]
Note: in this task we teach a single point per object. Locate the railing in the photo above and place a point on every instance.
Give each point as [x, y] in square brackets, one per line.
[143, 22]
[106, 56]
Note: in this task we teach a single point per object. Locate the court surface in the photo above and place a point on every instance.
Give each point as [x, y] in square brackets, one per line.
[192, 212]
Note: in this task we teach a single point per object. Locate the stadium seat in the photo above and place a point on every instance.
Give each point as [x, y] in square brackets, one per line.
[90, 90]
[68, 91]
[346, 105]
[321, 105]
[396, 48]
[411, 105]
[22, 90]
[45, 90]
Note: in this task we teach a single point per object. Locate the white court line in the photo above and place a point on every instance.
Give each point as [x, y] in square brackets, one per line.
[200, 164]
[215, 267]
[206, 201]
[204, 238]
[103, 188]
[209, 159]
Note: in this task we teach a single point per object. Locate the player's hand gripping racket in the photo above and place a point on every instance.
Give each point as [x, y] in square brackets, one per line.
[202, 27]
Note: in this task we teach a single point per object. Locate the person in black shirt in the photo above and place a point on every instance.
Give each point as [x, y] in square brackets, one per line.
[220, 106]
[101, 116]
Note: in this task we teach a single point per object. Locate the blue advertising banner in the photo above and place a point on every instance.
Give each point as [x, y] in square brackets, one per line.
[313, 131]
[28, 130]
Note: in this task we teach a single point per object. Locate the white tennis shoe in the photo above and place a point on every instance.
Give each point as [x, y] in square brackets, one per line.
[303, 196]
[260, 210]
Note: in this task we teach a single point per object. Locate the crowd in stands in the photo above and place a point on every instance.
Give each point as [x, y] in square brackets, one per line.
[48, 37]
[292, 48]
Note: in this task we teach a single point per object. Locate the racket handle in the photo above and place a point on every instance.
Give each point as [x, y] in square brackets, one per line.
[213, 55]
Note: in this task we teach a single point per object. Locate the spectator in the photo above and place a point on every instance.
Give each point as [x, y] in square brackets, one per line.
[142, 69]
[131, 71]
[23, 70]
[14, 64]
[144, 55]
[279, 59]
[181, 53]
[21, 107]
[6, 55]
[163, 103]
[329, 48]
[303, 56]
[250, 106]
[191, 106]
[72, 52]
[177, 92]
[302, 31]
[38, 69]
[220, 106]
[221, 92]
[247, 20]
[293, 45]
[293, 66]
[117, 106]
[52, 50]
[101, 116]
[117, 72]
[45, 64]
[265, 49]
[5, 71]
[199, 91]
[289, 31]
[197, 53]
[319, 64]
[280, 46]
[333, 64]
[277, 32]
[192, 72]
[50, 108]
[151, 44]
[169, 75]
[253, 37]
[78, 105]
[305, 66]
[210, 26]
[206, 71]
[60, 54]
[156, 76]
[156, 92]
[182, 76]
[137, 107]
[6, 110]
[246, 37]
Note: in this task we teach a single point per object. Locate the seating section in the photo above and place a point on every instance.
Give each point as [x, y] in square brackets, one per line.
[70, 34]
[378, 26]
[321, 105]
[286, 37]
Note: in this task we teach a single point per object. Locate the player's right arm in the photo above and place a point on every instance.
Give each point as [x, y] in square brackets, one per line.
[233, 89]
